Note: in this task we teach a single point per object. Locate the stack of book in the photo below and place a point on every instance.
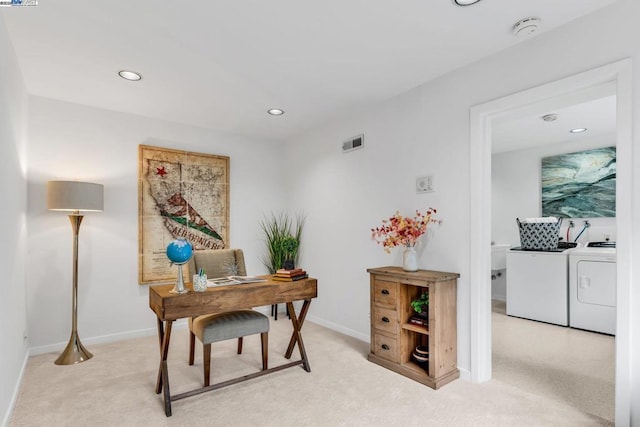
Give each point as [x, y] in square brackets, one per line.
[283, 275]
[419, 320]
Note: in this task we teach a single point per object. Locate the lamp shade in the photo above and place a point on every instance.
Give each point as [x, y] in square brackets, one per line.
[74, 196]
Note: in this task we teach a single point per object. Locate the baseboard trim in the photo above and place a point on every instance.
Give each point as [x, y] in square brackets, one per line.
[339, 328]
[16, 390]
[103, 339]
[465, 374]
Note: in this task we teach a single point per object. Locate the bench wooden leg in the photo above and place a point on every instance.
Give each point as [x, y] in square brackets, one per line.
[192, 346]
[264, 337]
[240, 345]
[206, 360]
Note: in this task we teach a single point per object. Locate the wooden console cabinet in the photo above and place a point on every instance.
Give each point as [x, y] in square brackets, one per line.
[394, 338]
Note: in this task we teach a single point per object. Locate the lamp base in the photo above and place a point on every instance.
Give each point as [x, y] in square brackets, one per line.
[74, 352]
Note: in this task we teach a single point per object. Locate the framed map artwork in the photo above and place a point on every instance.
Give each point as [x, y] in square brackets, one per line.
[180, 195]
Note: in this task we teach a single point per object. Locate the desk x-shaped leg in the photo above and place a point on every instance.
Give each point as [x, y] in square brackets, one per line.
[163, 374]
[164, 336]
[297, 336]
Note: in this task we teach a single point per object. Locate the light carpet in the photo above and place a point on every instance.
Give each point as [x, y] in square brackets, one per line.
[116, 388]
[568, 365]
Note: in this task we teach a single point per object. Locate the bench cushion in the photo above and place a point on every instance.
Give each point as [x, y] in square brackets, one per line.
[232, 324]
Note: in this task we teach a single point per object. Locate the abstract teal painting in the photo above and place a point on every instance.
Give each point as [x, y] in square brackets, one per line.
[580, 185]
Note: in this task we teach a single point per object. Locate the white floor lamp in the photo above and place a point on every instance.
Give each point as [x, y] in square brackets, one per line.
[74, 196]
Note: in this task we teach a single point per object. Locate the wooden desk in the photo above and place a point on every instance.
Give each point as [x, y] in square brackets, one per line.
[169, 307]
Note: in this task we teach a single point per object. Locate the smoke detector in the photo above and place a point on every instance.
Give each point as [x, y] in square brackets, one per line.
[550, 117]
[526, 27]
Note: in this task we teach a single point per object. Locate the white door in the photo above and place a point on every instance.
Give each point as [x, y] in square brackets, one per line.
[597, 282]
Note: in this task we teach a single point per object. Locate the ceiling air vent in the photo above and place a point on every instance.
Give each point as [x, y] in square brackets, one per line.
[353, 143]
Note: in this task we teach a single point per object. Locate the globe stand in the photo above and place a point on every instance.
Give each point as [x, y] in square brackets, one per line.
[179, 253]
[179, 287]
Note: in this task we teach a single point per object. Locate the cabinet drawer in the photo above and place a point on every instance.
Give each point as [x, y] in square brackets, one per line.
[385, 293]
[385, 319]
[385, 346]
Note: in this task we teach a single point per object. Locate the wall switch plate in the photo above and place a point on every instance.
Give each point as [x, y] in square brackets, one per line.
[424, 184]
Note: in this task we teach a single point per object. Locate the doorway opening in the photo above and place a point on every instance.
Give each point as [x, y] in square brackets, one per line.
[536, 165]
[482, 116]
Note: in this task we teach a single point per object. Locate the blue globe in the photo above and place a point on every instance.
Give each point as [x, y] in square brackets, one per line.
[179, 251]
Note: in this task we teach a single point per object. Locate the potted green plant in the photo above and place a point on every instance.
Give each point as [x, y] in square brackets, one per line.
[279, 229]
[290, 251]
[421, 305]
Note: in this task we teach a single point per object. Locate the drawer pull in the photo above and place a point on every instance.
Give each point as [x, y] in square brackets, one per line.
[385, 319]
[384, 292]
[385, 347]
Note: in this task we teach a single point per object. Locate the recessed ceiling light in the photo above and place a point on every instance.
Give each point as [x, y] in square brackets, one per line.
[130, 75]
[465, 2]
[275, 112]
[578, 130]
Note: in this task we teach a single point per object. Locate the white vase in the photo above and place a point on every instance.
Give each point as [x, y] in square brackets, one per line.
[409, 259]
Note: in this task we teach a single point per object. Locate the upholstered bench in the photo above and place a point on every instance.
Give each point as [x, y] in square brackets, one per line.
[224, 326]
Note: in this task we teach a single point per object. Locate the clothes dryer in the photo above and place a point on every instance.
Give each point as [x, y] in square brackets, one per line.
[592, 289]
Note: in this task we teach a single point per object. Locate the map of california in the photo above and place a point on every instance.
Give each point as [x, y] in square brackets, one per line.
[180, 193]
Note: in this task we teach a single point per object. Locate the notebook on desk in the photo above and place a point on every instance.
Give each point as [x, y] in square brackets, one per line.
[233, 280]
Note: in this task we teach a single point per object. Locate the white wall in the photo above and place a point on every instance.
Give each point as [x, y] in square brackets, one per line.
[515, 193]
[348, 194]
[13, 227]
[68, 141]
[427, 131]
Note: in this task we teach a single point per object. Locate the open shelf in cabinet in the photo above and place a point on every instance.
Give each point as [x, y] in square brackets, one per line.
[417, 369]
[415, 328]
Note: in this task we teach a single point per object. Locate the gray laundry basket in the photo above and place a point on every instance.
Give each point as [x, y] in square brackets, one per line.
[539, 236]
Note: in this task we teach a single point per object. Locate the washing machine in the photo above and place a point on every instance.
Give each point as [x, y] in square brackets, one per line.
[592, 288]
[537, 285]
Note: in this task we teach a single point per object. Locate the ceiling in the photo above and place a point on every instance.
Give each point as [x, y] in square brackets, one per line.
[222, 64]
[593, 108]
